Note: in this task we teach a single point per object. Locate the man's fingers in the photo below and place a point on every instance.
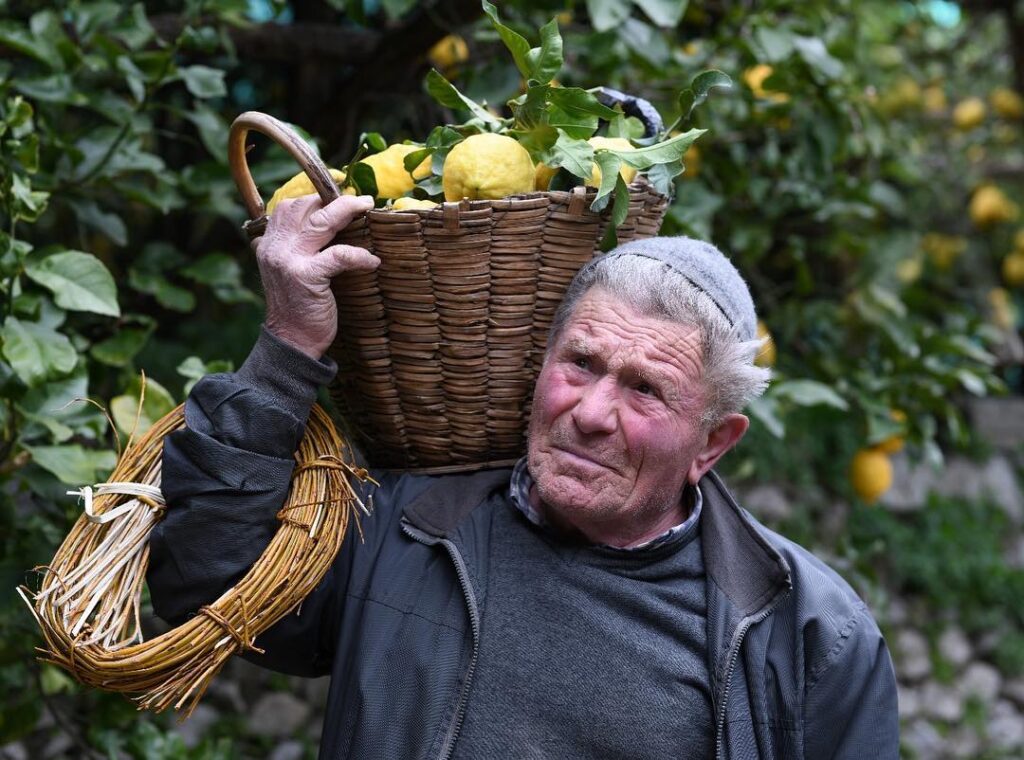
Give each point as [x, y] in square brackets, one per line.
[332, 261]
[337, 214]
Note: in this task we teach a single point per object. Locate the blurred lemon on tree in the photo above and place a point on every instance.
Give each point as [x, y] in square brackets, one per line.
[943, 250]
[691, 162]
[870, 474]
[300, 185]
[755, 76]
[989, 205]
[1013, 269]
[934, 99]
[894, 443]
[1007, 103]
[1003, 313]
[448, 52]
[766, 356]
[393, 181]
[487, 166]
[969, 113]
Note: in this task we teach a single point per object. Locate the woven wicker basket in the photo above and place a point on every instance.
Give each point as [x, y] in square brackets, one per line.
[439, 348]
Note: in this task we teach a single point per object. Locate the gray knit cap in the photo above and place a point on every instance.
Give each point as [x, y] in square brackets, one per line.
[703, 266]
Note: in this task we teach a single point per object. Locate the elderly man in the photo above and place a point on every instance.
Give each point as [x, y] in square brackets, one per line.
[606, 598]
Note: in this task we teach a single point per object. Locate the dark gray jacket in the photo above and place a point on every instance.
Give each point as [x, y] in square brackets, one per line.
[798, 666]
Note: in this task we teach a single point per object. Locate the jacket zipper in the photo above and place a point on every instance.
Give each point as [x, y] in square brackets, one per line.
[734, 653]
[474, 621]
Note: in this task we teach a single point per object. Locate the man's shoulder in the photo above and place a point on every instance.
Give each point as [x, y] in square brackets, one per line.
[819, 592]
[438, 503]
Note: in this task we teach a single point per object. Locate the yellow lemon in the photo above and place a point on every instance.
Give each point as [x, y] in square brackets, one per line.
[448, 52]
[691, 161]
[934, 99]
[943, 250]
[1007, 103]
[909, 270]
[968, 114]
[393, 181]
[1003, 313]
[543, 176]
[300, 185]
[870, 474]
[615, 143]
[766, 356]
[564, 18]
[894, 443]
[1018, 240]
[755, 76]
[989, 205]
[404, 204]
[487, 166]
[1013, 269]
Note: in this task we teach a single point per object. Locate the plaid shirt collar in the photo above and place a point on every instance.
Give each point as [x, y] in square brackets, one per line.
[519, 492]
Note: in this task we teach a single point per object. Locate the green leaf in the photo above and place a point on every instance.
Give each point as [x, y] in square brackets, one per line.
[607, 14]
[575, 100]
[609, 162]
[213, 131]
[515, 42]
[546, 61]
[971, 382]
[58, 405]
[414, 159]
[664, 13]
[699, 90]
[363, 178]
[133, 77]
[538, 140]
[119, 349]
[36, 353]
[155, 405]
[662, 176]
[776, 44]
[397, 8]
[374, 141]
[74, 465]
[664, 152]
[29, 203]
[576, 156]
[445, 93]
[223, 274]
[78, 280]
[106, 222]
[203, 81]
[619, 212]
[14, 35]
[809, 393]
[816, 55]
[766, 411]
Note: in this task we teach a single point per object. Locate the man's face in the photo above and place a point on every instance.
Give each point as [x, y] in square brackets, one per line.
[615, 423]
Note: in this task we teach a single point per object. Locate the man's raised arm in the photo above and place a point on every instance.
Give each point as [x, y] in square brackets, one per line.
[226, 475]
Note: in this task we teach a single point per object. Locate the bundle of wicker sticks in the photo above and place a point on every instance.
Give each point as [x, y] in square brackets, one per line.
[88, 602]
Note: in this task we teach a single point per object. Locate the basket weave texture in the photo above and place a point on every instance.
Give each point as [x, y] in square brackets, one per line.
[439, 348]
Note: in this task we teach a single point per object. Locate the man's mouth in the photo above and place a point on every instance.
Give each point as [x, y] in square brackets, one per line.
[585, 459]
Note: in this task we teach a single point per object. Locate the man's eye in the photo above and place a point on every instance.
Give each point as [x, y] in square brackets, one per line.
[581, 362]
[645, 389]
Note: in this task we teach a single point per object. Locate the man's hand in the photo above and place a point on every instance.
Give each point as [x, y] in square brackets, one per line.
[297, 275]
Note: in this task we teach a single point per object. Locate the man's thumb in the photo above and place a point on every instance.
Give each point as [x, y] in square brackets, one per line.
[332, 261]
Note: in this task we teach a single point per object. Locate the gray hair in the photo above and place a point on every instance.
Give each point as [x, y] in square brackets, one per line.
[730, 377]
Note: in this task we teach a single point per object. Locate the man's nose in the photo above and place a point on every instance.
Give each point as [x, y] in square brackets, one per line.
[597, 410]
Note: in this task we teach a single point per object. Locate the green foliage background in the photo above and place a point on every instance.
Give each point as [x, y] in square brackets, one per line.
[120, 249]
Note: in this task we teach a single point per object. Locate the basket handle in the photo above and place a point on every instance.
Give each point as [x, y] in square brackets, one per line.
[288, 139]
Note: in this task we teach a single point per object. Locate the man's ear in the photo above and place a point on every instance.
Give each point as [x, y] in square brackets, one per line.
[720, 440]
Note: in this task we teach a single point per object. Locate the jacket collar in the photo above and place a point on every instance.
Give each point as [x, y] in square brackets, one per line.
[737, 556]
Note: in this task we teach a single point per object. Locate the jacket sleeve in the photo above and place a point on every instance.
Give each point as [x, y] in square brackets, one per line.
[224, 478]
[851, 703]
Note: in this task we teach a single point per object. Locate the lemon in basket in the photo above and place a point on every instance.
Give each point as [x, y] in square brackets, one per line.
[405, 204]
[300, 185]
[487, 167]
[393, 181]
